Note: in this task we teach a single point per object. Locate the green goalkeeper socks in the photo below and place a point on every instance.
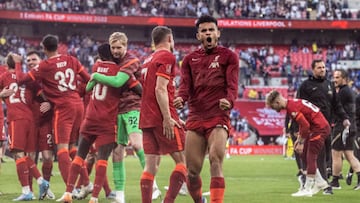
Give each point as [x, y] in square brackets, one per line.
[141, 156]
[119, 175]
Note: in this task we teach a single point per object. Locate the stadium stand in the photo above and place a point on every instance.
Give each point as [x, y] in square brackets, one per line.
[286, 9]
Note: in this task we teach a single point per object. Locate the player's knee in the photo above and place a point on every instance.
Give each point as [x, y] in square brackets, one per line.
[18, 154]
[137, 146]
[47, 158]
[192, 175]
[193, 171]
[216, 156]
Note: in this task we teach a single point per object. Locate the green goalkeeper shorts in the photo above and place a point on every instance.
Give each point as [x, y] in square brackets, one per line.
[127, 123]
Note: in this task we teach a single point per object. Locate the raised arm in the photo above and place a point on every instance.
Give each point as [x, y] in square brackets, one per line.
[21, 77]
[114, 81]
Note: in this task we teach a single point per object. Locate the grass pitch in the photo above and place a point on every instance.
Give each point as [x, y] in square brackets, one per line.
[249, 179]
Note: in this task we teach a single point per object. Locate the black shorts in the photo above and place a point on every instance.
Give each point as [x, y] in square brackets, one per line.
[337, 142]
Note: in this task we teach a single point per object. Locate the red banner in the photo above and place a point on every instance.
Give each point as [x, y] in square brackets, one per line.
[267, 121]
[255, 150]
[178, 22]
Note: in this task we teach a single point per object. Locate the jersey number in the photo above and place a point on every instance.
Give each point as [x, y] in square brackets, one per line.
[65, 84]
[144, 73]
[310, 105]
[13, 99]
[99, 92]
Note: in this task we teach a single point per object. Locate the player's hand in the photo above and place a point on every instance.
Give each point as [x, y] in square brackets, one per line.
[168, 128]
[179, 103]
[182, 122]
[6, 92]
[45, 107]
[17, 58]
[90, 85]
[224, 104]
[346, 123]
[299, 146]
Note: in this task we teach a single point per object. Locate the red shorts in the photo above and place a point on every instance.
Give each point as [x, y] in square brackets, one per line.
[155, 142]
[45, 136]
[90, 131]
[67, 121]
[21, 134]
[205, 127]
[2, 130]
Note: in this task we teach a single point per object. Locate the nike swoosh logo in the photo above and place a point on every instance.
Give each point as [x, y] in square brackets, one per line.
[195, 59]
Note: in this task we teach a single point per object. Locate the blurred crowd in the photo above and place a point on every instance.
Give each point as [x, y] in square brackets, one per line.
[256, 61]
[266, 9]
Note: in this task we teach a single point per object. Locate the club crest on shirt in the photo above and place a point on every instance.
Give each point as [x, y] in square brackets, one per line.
[215, 62]
[168, 68]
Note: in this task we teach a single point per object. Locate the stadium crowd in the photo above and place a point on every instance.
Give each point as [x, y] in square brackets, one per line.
[257, 61]
[265, 9]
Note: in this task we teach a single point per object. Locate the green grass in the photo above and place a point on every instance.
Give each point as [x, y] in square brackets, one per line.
[253, 179]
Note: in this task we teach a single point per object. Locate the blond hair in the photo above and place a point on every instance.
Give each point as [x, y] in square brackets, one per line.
[118, 36]
[271, 97]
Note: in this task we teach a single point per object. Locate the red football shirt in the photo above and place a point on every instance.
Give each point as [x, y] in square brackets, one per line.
[130, 100]
[17, 108]
[206, 78]
[58, 78]
[159, 64]
[3, 69]
[104, 100]
[314, 122]
[33, 100]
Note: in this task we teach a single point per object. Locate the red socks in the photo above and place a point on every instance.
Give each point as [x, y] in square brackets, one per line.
[146, 184]
[100, 177]
[177, 178]
[217, 189]
[64, 163]
[74, 172]
[22, 171]
[194, 187]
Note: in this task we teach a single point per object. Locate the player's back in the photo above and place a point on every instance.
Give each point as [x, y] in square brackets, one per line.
[160, 63]
[104, 100]
[17, 107]
[58, 76]
[310, 111]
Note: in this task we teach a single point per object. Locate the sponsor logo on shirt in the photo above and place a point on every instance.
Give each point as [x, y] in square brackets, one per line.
[215, 62]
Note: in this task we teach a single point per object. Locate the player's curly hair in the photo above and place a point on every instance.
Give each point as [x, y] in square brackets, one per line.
[104, 52]
[205, 19]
